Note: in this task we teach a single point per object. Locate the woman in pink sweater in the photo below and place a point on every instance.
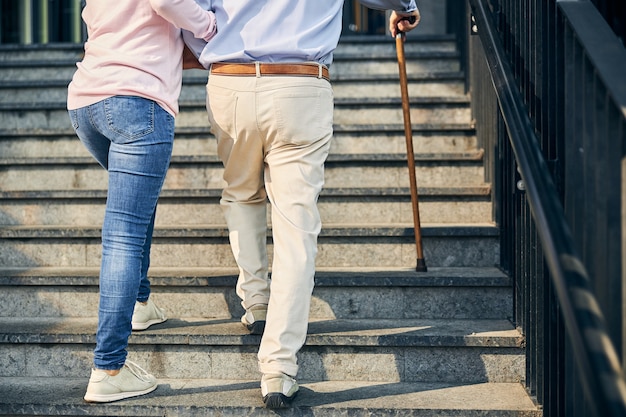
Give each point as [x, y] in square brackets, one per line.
[122, 102]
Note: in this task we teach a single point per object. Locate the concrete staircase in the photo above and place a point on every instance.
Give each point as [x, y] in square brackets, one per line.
[383, 339]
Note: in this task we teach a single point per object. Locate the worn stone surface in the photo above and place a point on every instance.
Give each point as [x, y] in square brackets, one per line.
[388, 246]
[202, 397]
[461, 205]
[207, 174]
[420, 350]
[209, 292]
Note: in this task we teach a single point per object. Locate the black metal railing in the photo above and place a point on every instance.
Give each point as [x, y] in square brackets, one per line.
[41, 21]
[614, 12]
[548, 95]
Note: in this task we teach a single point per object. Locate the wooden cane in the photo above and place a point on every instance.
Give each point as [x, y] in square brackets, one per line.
[408, 133]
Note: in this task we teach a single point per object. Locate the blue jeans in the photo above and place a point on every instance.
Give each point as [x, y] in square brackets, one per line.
[131, 137]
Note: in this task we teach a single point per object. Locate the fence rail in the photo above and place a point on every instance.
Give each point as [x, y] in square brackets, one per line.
[547, 86]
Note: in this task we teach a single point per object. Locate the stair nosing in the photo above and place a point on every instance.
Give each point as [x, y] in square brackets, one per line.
[436, 333]
[222, 276]
[422, 157]
[478, 190]
[390, 55]
[191, 80]
[339, 102]
[466, 128]
[236, 397]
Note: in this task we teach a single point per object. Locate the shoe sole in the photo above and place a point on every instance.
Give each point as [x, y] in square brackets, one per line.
[144, 326]
[107, 398]
[278, 400]
[258, 327]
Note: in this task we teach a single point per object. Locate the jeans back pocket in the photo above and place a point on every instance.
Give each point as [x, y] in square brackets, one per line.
[130, 117]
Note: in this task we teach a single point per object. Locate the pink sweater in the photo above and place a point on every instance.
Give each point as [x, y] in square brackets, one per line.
[135, 48]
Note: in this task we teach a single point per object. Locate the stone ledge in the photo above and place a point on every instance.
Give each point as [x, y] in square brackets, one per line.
[465, 128]
[220, 231]
[229, 332]
[218, 277]
[477, 191]
[192, 397]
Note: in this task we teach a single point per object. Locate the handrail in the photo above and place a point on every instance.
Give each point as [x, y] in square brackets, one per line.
[601, 374]
[580, 15]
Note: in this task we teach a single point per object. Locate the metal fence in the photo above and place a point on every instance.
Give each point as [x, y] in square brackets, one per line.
[548, 88]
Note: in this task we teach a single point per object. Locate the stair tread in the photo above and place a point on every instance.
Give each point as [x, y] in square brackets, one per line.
[386, 101]
[337, 129]
[53, 396]
[418, 76]
[338, 101]
[229, 331]
[216, 276]
[391, 55]
[194, 79]
[475, 155]
[220, 230]
[338, 57]
[468, 190]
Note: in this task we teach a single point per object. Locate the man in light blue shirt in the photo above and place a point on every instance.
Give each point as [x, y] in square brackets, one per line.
[270, 105]
[284, 31]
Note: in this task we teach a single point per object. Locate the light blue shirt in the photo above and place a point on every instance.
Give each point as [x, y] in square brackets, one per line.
[277, 30]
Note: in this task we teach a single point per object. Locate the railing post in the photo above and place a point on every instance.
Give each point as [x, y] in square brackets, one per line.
[26, 26]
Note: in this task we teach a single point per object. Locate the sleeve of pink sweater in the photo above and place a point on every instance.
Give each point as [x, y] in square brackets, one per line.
[193, 20]
[135, 48]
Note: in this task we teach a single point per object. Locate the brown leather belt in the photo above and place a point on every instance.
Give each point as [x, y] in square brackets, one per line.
[252, 68]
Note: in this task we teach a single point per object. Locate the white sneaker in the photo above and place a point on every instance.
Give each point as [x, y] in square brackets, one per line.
[254, 319]
[146, 315]
[278, 390]
[132, 381]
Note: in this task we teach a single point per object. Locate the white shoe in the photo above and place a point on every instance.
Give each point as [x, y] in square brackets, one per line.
[278, 390]
[132, 381]
[146, 315]
[254, 319]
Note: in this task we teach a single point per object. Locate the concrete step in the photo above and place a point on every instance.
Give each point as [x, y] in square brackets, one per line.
[38, 69]
[419, 85]
[443, 205]
[348, 65]
[344, 64]
[339, 246]
[422, 110]
[210, 397]
[352, 111]
[209, 292]
[16, 53]
[435, 62]
[348, 139]
[363, 111]
[357, 44]
[378, 55]
[29, 143]
[188, 172]
[469, 351]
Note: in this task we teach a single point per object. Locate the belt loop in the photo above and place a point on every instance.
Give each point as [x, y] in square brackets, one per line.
[257, 66]
[319, 70]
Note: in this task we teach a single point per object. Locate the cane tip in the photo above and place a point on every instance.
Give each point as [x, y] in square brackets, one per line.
[421, 266]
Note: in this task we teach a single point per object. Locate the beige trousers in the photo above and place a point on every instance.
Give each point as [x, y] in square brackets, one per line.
[273, 136]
